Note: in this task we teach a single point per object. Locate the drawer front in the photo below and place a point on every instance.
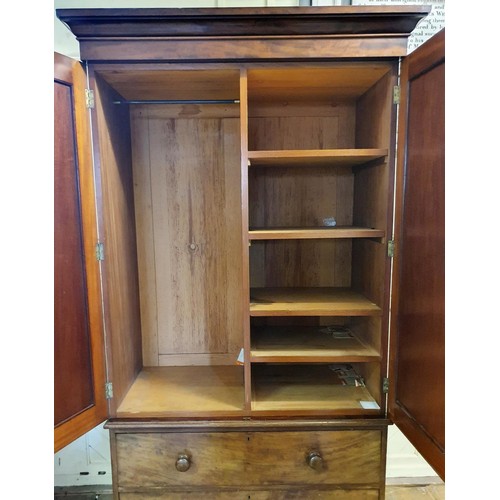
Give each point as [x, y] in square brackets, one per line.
[249, 458]
[298, 494]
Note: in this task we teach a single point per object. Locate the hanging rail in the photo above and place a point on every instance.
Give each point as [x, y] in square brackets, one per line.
[174, 101]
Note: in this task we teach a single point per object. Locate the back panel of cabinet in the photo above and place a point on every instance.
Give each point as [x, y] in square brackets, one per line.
[188, 214]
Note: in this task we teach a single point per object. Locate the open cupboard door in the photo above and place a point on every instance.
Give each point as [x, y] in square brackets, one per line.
[79, 369]
[416, 403]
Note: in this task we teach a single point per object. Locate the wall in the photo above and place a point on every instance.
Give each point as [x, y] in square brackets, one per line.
[87, 460]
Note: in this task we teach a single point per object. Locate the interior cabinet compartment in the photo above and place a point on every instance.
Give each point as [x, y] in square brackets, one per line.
[315, 340]
[293, 360]
[308, 389]
[175, 391]
[170, 149]
[170, 161]
[311, 130]
[319, 181]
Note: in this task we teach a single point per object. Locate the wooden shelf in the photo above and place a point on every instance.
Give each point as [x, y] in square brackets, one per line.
[310, 233]
[320, 301]
[306, 390]
[306, 344]
[315, 157]
[178, 391]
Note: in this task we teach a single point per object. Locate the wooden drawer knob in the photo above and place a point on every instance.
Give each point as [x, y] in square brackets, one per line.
[182, 464]
[314, 460]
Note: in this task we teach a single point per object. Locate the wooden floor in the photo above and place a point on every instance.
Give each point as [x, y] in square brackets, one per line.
[427, 492]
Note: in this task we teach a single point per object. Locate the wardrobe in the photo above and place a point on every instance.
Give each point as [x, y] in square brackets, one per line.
[249, 247]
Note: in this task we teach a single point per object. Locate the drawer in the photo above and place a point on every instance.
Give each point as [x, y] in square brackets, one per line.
[295, 494]
[351, 457]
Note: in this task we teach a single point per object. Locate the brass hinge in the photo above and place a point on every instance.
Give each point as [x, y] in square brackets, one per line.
[89, 98]
[99, 251]
[108, 390]
[390, 248]
[385, 385]
[396, 94]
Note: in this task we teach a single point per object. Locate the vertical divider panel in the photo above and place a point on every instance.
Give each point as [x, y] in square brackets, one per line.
[141, 165]
[245, 283]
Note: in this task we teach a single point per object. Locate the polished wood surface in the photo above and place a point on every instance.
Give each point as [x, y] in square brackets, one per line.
[203, 34]
[265, 164]
[71, 323]
[318, 301]
[209, 22]
[418, 369]
[258, 459]
[124, 425]
[242, 49]
[177, 391]
[79, 401]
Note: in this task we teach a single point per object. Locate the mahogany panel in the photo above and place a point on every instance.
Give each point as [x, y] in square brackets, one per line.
[418, 370]
[209, 22]
[241, 49]
[221, 459]
[72, 354]
[203, 34]
[79, 398]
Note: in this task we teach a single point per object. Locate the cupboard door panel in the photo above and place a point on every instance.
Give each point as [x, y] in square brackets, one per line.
[417, 401]
[79, 402]
[72, 341]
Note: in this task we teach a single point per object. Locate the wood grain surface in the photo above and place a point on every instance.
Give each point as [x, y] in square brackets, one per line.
[302, 344]
[274, 494]
[258, 459]
[79, 364]
[181, 391]
[190, 259]
[303, 389]
[319, 301]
